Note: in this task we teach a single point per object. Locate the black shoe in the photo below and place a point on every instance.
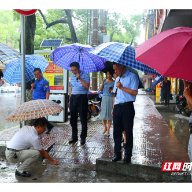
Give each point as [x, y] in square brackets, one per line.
[124, 144]
[127, 159]
[24, 174]
[73, 140]
[116, 157]
[82, 141]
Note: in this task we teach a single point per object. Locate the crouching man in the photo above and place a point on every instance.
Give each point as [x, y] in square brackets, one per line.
[18, 147]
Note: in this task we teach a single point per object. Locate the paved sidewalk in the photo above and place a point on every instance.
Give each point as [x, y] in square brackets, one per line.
[154, 142]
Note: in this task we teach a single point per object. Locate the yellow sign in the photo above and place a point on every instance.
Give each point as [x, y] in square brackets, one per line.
[158, 90]
[54, 74]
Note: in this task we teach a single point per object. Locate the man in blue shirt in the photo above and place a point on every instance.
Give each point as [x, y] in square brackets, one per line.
[41, 90]
[78, 101]
[126, 89]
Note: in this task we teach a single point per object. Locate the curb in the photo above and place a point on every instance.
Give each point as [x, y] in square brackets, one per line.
[148, 172]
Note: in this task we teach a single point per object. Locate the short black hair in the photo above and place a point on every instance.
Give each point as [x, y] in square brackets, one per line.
[74, 64]
[111, 72]
[37, 69]
[118, 65]
[41, 122]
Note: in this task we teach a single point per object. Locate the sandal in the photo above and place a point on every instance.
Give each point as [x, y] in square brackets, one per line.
[104, 132]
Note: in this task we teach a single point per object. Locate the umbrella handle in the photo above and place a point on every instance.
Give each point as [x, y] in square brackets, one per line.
[119, 81]
[117, 88]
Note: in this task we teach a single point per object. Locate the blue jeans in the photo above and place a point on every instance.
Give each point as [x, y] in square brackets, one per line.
[123, 118]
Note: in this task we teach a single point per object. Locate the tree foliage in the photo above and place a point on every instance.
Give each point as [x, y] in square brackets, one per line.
[120, 28]
[10, 29]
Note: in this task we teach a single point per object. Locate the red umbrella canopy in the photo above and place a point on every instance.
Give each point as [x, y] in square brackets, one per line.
[169, 53]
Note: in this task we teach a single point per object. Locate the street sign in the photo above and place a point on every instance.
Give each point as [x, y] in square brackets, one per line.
[26, 11]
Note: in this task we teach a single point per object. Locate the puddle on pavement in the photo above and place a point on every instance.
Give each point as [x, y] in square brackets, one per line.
[179, 124]
[7, 171]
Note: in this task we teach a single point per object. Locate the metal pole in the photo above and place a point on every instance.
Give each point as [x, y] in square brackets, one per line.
[94, 44]
[23, 88]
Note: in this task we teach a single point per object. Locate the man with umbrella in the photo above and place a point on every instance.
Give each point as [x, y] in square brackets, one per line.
[18, 147]
[78, 101]
[126, 89]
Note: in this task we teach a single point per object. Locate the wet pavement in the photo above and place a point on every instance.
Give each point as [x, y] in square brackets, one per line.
[8, 102]
[154, 143]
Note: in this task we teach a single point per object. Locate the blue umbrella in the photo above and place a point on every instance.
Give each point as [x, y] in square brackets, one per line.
[12, 71]
[123, 54]
[156, 81]
[7, 53]
[63, 56]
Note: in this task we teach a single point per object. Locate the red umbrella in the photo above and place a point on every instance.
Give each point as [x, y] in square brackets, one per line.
[169, 53]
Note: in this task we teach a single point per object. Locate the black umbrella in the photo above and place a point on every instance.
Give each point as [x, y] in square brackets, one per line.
[109, 67]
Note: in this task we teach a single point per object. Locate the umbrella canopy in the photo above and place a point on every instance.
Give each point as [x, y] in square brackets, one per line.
[156, 81]
[63, 56]
[123, 54]
[169, 53]
[12, 71]
[35, 109]
[7, 53]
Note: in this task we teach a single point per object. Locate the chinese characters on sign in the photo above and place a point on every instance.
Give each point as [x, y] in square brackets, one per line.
[54, 74]
[176, 166]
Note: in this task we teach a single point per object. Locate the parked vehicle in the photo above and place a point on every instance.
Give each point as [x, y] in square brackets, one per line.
[181, 105]
[93, 106]
[9, 88]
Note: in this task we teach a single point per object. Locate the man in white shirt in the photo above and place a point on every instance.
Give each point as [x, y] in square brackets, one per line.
[18, 147]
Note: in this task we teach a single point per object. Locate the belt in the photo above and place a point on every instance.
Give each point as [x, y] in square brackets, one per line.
[124, 104]
[78, 95]
[10, 149]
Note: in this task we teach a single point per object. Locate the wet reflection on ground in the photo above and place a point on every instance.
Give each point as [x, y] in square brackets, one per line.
[154, 141]
[179, 124]
[8, 102]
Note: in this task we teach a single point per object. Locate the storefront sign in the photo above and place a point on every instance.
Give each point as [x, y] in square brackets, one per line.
[54, 74]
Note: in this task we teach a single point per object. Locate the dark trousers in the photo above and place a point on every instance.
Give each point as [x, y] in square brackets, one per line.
[78, 105]
[123, 118]
[166, 96]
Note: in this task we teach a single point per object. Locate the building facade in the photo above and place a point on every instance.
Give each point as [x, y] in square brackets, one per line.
[159, 20]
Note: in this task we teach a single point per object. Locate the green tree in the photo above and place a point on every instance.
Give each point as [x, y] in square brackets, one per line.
[122, 29]
[10, 29]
